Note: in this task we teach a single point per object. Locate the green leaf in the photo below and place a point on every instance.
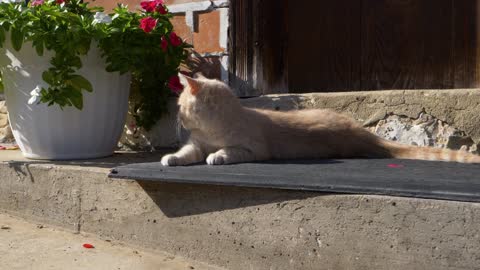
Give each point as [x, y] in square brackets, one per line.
[84, 46]
[38, 47]
[48, 77]
[17, 38]
[76, 62]
[2, 36]
[76, 98]
[79, 82]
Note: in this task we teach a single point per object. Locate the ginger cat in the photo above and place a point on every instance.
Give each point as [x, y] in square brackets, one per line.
[225, 132]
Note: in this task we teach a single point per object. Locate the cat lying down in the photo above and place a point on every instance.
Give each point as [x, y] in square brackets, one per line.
[225, 132]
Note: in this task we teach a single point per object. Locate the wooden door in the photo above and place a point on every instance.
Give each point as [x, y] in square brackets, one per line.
[349, 45]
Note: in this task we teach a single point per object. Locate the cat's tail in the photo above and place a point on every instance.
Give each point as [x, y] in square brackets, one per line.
[429, 153]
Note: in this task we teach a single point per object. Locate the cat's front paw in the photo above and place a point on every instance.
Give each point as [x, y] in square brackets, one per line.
[215, 159]
[170, 160]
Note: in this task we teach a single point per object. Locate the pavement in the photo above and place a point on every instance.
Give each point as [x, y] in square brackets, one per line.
[26, 246]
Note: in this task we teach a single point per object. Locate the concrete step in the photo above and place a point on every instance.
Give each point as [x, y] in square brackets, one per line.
[242, 228]
[25, 245]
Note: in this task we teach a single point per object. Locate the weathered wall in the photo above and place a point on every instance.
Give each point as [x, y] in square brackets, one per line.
[6, 135]
[425, 130]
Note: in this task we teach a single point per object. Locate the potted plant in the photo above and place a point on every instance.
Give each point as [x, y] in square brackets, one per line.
[67, 69]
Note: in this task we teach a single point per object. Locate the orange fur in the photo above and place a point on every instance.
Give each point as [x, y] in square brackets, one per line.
[223, 132]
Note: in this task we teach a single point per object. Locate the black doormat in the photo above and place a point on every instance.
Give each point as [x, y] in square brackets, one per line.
[409, 178]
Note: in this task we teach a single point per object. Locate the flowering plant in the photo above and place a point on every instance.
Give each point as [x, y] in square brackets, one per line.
[142, 43]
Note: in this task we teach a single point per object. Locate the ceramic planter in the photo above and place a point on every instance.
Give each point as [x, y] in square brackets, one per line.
[44, 132]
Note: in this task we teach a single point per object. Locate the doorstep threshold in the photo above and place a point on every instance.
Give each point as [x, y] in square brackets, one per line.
[393, 177]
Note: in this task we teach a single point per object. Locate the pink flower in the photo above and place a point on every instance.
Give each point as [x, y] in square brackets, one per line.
[164, 44]
[154, 5]
[35, 3]
[174, 84]
[161, 9]
[175, 40]
[148, 24]
[149, 6]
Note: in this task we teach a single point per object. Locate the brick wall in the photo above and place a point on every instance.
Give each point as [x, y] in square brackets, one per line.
[204, 24]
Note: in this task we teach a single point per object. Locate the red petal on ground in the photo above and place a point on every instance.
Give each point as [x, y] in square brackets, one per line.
[395, 165]
[88, 246]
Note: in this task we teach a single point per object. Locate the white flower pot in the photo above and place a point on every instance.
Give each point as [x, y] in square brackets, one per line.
[44, 132]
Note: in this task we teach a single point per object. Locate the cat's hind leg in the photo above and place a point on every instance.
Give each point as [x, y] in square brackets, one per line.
[188, 154]
[230, 155]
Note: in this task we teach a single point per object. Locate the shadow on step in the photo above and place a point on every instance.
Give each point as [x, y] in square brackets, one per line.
[178, 200]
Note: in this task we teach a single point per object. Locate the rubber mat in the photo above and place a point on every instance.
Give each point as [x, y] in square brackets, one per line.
[410, 178]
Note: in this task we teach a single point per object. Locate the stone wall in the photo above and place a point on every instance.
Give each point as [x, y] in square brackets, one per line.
[425, 130]
[5, 130]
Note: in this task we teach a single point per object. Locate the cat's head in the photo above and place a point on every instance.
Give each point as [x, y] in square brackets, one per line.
[204, 101]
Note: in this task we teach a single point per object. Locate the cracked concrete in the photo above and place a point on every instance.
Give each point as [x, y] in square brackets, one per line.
[243, 228]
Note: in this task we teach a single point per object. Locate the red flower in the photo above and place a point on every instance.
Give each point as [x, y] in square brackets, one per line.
[175, 40]
[161, 9]
[154, 5]
[60, 1]
[164, 44]
[149, 6]
[148, 24]
[174, 84]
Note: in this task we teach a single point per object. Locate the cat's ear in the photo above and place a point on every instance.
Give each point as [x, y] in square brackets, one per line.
[192, 83]
[199, 75]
